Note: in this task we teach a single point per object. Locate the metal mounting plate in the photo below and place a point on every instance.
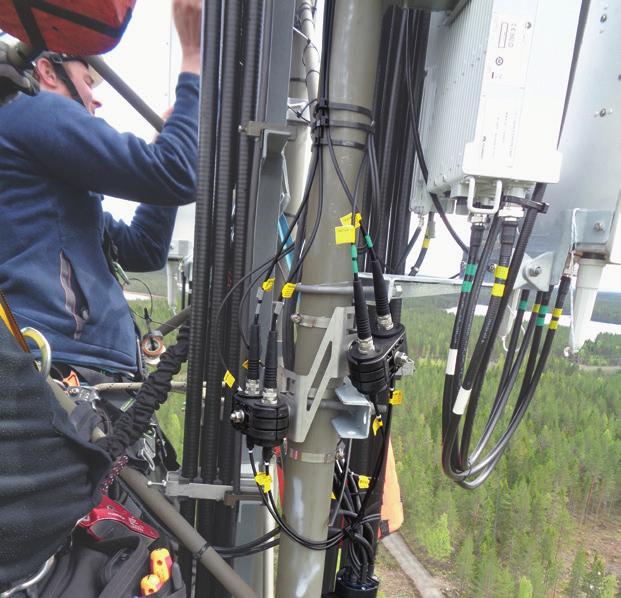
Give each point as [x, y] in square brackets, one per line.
[331, 356]
[354, 422]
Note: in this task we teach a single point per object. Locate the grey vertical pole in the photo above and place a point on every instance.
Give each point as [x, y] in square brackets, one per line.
[308, 480]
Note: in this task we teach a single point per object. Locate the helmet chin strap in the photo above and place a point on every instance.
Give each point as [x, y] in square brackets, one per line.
[62, 73]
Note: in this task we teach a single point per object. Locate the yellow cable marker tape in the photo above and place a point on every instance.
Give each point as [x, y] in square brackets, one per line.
[426, 242]
[346, 220]
[377, 424]
[558, 311]
[245, 364]
[553, 324]
[4, 318]
[264, 480]
[229, 379]
[498, 290]
[287, 290]
[268, 284]
[333, 497]
[363, 482]
[345, 234]
[396, 397]
[536, 308]
[501, 272]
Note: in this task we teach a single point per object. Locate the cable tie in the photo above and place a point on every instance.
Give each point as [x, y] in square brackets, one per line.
[363, 482]
[268, 284]
[229, 379]
[345, 234]
[264, 481]
[396, 397]
[201, 551]
[288, 290]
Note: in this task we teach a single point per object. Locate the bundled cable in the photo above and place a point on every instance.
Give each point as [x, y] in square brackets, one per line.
[132, 424]
[463, 390]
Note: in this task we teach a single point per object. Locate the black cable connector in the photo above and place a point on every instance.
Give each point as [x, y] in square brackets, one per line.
[254, 352]
[382, 305]
[271, 360]
[363, 323]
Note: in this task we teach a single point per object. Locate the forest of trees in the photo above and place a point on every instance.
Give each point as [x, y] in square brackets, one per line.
[525, 532]
[528, 531]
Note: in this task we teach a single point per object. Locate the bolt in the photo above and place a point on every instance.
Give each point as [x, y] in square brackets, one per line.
[74, 391]
[401, 359]
[603, 112]
[599, 227]
[296, 318]
[237, 417]
[534, 271]
[603, 18]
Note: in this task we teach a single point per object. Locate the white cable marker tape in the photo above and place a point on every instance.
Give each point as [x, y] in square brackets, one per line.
[463, 396]
[451, 361]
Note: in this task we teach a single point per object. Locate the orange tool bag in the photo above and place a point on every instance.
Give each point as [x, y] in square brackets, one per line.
[68, 26]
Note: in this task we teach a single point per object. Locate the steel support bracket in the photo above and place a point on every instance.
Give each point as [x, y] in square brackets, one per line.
[592, 229]
[329, 364]
[256, 128]
[175, 486]
[354, 422]
[536, 272]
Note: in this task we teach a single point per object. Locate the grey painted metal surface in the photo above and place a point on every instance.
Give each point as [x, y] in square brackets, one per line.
[263, 220]
[591, 138]
[357, 29]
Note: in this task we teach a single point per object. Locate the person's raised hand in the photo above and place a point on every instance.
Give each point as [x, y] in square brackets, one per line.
[188, 22]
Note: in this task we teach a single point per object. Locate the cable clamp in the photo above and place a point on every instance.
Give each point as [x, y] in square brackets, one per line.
[310, 321]
[472, 209]
[201, 551]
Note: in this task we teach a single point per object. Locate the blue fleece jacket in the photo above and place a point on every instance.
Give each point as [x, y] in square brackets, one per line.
[55, 162]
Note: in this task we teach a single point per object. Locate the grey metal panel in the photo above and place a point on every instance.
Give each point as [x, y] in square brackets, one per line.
[277, 55]
[591, 139]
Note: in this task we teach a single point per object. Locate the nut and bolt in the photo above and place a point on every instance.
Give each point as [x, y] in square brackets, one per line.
[270, 396]
[603, 18]
[599, 227]
[401, 359]
[366, 345]
[237, 417]
[534, 271]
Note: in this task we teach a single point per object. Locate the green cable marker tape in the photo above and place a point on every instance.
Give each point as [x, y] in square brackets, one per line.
[541, 320]
[367, 238]
[466, 287]
[471, 270]
[354, 259]
[522, 306]
[543, 310]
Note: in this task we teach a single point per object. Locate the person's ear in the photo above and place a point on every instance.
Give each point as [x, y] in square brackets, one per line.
[46, 74]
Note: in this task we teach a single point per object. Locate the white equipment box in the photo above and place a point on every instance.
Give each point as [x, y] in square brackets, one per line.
[494, 94]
